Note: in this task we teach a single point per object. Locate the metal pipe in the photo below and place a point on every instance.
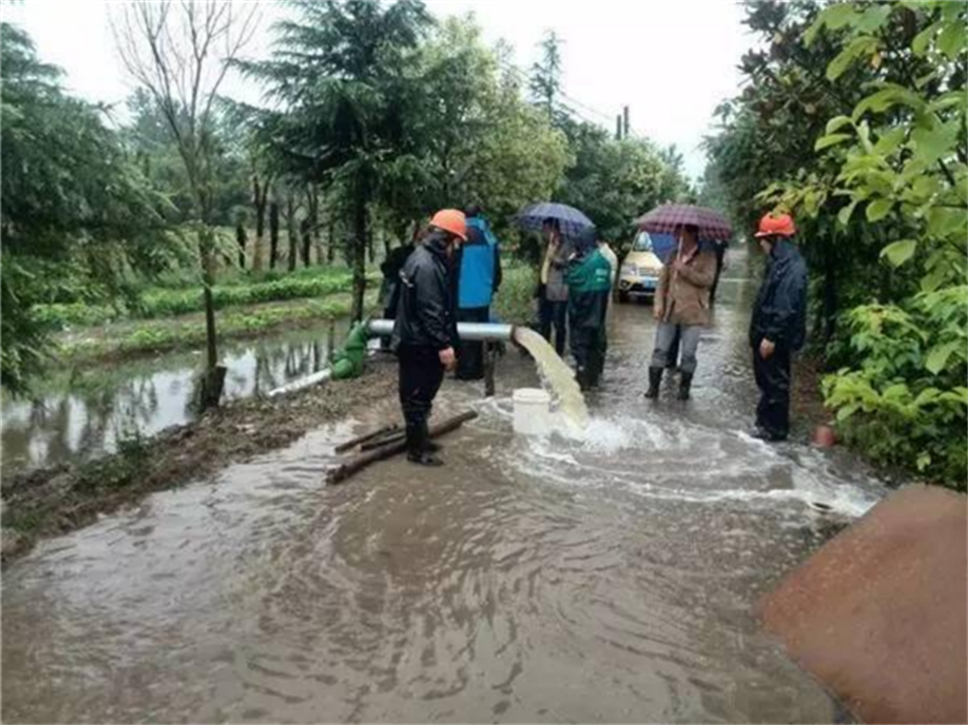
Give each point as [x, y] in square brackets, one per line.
[474, 331]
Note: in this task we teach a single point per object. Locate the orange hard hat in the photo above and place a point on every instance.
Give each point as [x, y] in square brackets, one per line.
[772, 225]
[451, 220]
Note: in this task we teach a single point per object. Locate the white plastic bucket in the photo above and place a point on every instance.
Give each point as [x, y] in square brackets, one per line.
[531, 411]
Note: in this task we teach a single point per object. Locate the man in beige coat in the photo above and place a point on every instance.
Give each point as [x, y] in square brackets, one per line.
[682, 304]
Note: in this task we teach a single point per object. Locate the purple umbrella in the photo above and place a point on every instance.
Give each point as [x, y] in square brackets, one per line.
[667, 218]
[571, 221]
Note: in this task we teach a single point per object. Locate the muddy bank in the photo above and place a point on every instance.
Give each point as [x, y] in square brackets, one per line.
[55, 500]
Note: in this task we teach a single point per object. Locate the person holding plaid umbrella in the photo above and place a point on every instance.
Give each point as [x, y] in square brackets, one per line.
[682, 299]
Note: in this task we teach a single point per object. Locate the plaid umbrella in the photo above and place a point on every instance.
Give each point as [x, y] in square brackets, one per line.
[667, 218]
[571, 221]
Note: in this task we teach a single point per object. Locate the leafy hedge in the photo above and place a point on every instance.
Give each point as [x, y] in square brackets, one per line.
[161, 337]
[905, 404]
[179, 300]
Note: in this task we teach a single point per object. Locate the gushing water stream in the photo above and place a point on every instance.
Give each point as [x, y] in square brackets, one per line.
[556, 374]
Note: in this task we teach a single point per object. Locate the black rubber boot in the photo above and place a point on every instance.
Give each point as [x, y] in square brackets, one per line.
[417, 440]
[655, 379]
[685, 382]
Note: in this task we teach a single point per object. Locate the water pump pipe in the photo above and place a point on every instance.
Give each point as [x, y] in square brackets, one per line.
[472, 331]
[348, 363]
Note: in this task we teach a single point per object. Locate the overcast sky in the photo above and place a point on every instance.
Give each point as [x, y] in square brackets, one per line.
[670, 61]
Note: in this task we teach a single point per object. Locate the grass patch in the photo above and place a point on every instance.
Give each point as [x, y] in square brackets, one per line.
[181, 296]
[162, 336]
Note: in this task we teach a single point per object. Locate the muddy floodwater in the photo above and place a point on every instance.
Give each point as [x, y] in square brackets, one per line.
[80, 414]
[605, 578]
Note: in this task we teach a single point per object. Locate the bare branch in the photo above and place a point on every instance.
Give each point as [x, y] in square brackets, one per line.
[180, 51]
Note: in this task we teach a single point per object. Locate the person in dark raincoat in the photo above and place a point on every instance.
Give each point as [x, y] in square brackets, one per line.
[778, 325]
[589, 279]
[425, 328]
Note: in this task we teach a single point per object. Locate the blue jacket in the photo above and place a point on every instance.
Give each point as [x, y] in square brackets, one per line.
[480, 266]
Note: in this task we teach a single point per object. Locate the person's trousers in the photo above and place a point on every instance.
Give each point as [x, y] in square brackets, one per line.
[672, 358]
[598, 359]
[470, 353]
[587, 348]
[421, 374]
[773, 380]
[665, 336]
[554, 314]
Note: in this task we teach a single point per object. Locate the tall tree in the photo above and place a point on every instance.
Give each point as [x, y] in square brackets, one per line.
[77, 212]
[273, 232]
[474, 137]
[545, 83]
[343, 71]
[180, 53]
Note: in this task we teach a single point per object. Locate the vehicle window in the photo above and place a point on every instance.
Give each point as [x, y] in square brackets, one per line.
[642, 243]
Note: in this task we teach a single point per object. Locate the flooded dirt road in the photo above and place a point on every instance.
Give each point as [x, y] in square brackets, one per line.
[609, 578]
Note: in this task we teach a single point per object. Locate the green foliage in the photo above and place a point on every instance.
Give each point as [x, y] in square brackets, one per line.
[905, 404]
[902, 158]
[76, 211]
[162, 336]
[165, 303]
[613, 182]
[474, 138]
[183, 298]
[860, 107]
[347, 74]
[515, 301]
[154, 148]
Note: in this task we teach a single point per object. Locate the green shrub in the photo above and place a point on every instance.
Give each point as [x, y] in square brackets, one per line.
[59, 316]
[904, 402]
[515, 299]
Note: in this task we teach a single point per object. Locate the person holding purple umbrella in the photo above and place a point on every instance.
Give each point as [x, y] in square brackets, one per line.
[682, 308]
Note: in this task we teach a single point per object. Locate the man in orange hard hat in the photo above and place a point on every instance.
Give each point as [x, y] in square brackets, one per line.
[425, 328]
[778, 326]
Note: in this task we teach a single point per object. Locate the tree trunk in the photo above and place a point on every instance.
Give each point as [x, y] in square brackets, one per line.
[386, 244]
[370, 246]
[292, 231]
[307, 241]
[214, 373]
[242, 239]
[260, 196]
[273, 233]
[312, 218]
[331, 246]
[361, 236]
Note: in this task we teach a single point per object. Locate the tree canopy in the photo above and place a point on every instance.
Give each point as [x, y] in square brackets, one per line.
[77, 213]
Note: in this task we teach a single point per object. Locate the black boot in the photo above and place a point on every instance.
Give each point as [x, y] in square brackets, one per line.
[581, 377]
[685, 382]
[655, 378]
[417, 439]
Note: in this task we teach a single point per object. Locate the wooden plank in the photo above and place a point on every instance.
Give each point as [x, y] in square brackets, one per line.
[353, 442]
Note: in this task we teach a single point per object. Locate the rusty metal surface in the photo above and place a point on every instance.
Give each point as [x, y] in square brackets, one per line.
[879, 613]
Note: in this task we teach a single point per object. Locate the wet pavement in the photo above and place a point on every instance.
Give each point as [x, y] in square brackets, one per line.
[609, 578]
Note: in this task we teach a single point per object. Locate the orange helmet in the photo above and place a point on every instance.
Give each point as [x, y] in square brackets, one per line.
[451, 220]
[776, 225]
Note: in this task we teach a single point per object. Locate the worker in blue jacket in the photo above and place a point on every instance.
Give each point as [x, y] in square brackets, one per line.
[478, 282]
